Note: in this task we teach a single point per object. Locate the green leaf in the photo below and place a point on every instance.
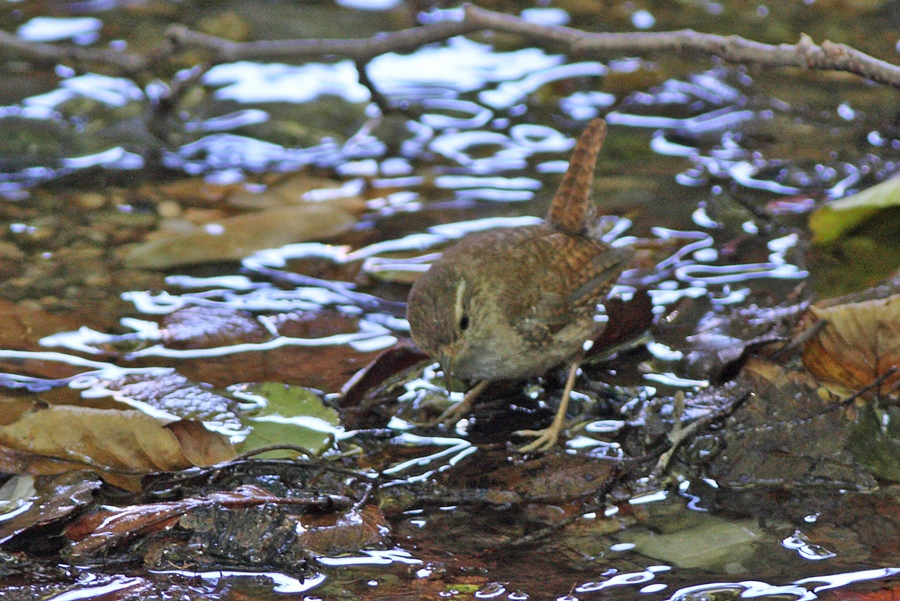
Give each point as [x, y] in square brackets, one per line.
[292, 415]
[832, 221]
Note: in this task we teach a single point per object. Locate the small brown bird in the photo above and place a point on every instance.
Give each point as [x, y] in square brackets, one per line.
[512, 303]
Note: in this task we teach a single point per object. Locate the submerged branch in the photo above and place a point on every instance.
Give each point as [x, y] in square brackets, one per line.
[805, 54]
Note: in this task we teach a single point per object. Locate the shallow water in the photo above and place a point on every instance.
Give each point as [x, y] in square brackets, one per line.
[710, 169]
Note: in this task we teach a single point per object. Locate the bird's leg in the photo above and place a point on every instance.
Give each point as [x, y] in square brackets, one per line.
[545, 439]
[454, 414]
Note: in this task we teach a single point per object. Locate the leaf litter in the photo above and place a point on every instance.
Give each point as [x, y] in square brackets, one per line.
[766, 407]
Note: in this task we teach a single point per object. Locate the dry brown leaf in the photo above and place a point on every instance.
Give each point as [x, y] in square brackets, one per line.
[860, 342]
[124, 441]
[199, 445]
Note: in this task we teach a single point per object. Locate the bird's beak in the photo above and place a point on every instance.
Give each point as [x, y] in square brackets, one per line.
[447, 367]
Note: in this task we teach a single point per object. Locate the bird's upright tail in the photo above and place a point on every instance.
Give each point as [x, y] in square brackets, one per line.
[572, 210]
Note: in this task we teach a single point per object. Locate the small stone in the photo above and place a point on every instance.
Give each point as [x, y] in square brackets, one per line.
[10, 252]
[168, 209]
[91, 200]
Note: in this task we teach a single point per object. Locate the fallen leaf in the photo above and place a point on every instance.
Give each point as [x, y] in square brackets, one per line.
[785, 433]
[234, 238]
[860, 342]
[288, 192]
[129, 442]
[175, 395]
[208, 327]
[708, 544]
[109, 527]
[22, 327]
[292, 415]
[193, 191]
[831, 221]
[344, 532]
[49, 501]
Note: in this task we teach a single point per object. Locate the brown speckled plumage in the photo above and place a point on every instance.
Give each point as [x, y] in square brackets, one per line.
[511, 303]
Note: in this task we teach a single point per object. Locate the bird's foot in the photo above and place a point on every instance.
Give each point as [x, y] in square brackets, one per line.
[456, 412]
[544, 439]
[453, 414]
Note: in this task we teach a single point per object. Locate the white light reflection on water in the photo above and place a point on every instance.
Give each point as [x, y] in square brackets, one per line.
[118, 586]
[480, 115]
[460, 65]
[112, 158]
[617, 580]
[586, 105]
[797, 591]
[375, 557]
[455, 448]
[671, 379]
[111, 91]
[81, 30]
[282, 582]
[727, 274]
[509, 93]
[247, 81]
[367, 331]
[839, 580]
[807, 550]
[470, 181]
[718, 120]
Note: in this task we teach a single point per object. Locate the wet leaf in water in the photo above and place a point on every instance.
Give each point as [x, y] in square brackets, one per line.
[547, 479]
[175, 395]
[709, 544]
[860, 342]
[784, 434]
[388, 363]
[195, 191]
[209, 327]
[50, 500]
[292, 415]
[627, 321]
[234, 238]
[110, 527]
[22, 327]
[828, 223]
[124, 442]
[344, 532]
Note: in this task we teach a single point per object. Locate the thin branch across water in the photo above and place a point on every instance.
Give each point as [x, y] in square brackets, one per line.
[805, 54]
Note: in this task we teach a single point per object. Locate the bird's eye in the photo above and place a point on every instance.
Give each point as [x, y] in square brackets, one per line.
[463, 323]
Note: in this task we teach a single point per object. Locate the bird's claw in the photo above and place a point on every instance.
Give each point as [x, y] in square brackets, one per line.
[544, 440]
[453, 414]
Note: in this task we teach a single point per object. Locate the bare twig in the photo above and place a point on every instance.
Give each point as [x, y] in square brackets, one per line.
[805, 54]
[801, 339]
[734, 49]
[679, 434]
[363, 49]
[51, 53]
[874, 384]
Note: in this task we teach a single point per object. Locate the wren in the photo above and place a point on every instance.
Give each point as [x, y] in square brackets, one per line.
[513, 303]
